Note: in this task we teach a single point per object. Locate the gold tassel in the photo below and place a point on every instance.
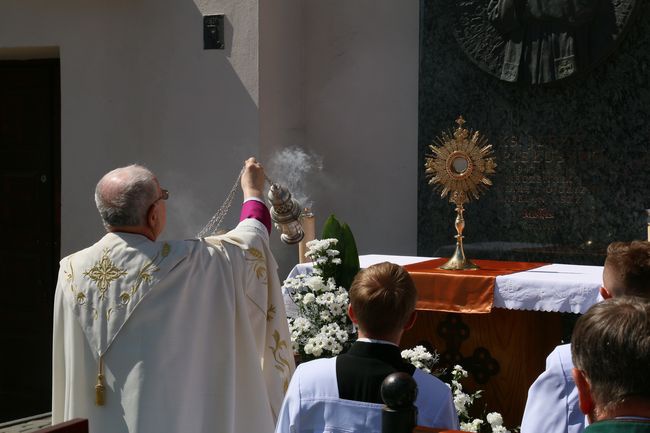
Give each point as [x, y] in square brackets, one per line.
[99, 388]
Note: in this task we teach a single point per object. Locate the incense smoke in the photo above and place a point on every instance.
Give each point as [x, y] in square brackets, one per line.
[297, 170]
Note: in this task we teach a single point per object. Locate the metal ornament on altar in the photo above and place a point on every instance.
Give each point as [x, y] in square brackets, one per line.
[459, 167]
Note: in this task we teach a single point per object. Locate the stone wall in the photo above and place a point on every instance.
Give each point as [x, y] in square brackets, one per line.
[573, 155]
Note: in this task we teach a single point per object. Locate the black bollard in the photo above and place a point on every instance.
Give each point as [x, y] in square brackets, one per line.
[399, 415]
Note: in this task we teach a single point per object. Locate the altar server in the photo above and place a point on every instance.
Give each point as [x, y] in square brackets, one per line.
[552, 404]
[344, 392]
[611, 352]
[170, 336]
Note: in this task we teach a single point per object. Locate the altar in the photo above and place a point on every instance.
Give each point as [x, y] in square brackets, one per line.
[503, 342]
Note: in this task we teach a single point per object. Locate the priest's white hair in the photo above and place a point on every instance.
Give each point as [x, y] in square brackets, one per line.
[123, 196]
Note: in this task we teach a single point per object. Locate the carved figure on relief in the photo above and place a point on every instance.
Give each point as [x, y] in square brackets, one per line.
[548, 40]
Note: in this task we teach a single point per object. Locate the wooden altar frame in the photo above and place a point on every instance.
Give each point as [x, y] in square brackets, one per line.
[519, 341]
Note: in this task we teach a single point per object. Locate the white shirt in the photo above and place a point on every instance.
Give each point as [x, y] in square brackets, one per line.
[312, 403]
[552, 404]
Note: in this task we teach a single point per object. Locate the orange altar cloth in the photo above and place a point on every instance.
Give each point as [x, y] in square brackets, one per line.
[470, 291]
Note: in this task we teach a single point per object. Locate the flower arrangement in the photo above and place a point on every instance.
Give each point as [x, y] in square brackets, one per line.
[321, 327]
[421, 358]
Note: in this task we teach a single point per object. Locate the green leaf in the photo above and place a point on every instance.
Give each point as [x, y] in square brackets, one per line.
[349, 256]
[344, 273]
[332, 229]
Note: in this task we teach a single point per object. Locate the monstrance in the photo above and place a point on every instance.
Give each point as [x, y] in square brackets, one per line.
[459, 167]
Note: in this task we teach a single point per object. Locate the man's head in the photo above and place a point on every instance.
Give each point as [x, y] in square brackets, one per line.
[130, 199]
[627, 269]
[382, 301]
[611, 354]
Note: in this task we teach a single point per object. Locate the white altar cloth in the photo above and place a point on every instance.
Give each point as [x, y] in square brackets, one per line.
[554, 287]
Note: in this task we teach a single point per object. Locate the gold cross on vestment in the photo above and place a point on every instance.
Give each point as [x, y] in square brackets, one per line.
[103, 273]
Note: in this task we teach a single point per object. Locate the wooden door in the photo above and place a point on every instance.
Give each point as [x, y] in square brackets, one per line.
[29, 229]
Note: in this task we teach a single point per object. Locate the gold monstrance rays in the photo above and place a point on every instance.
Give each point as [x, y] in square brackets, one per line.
[459, 167]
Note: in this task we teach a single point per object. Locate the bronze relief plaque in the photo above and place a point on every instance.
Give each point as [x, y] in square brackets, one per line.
[540, 41]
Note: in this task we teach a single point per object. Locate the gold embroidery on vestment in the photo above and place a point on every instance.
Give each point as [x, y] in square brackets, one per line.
[145, 274]
[270, 313]
[79, 296]
[260, 264]
[281, 364]
[104, 273]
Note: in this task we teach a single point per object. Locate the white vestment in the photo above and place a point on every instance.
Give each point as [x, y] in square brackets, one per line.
[312, 403]
[192, 334]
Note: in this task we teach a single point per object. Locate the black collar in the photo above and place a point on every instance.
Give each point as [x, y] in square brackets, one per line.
[385, 352]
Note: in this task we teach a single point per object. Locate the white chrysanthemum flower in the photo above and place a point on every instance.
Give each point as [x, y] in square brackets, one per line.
[315, 283]
[467, 426]
[420, 357]
[310, 244]
[326, 298]
[318, 247]
[332, 253]
[292, 283]
[461, 400]
[472, 426]
[308, 298]
[494, 418]
[459, 370]
[302, 323]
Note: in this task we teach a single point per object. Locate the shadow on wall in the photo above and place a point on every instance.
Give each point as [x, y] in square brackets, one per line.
[203, 151]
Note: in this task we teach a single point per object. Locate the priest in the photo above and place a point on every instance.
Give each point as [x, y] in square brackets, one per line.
[170, 336]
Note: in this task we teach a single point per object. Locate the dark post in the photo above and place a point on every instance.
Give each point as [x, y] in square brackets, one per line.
[399, 415]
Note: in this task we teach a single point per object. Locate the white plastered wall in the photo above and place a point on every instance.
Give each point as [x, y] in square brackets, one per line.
[340, 79]
[137, 86]
[337, 78]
